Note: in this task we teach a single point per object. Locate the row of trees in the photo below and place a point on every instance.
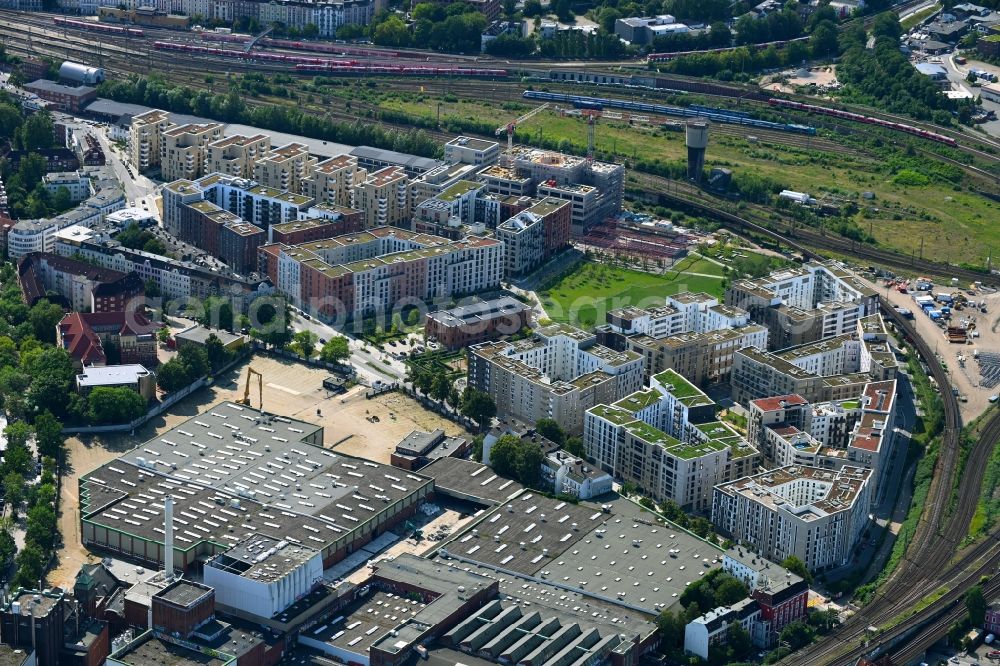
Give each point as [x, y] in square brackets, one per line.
[18, 466]
[229, 107]
[455, 28]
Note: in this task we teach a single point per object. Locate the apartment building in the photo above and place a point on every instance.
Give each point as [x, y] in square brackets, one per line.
[236, 155]
[470, 150]
[221, 234]
[144, 138]
[333, 180]
[384, 196]
[815, 514]
[182, 149]
[287, 168]
[337, 222]
[79, 285]
[368, 273]
[535, 235]
[246, 199]
[505, 181]
[805, 304]
[829, 370]
[666, 440]
[558, 373]
[594, 189]
[691, 333]
[432, 183]
[175, 279]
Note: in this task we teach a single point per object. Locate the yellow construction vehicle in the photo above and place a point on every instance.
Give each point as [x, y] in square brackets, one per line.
[260, 388]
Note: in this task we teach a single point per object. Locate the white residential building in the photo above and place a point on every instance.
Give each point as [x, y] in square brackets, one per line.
[558, 373]
[815, 514]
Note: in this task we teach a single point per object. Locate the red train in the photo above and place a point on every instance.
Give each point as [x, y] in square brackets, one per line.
[398, 70]
[859, 118]
[318, 47]
[99, 27]
[665, 57]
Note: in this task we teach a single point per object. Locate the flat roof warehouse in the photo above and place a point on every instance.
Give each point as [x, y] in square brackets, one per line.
[234, 473]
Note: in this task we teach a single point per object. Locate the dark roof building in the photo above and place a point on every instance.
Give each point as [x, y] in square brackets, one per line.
[79, 285]
[419, 448]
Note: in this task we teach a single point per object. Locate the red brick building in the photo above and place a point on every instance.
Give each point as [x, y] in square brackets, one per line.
[470, 324]
[85, 335]
[64, 98]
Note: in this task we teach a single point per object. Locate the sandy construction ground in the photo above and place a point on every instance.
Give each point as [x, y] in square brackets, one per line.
[289, 389]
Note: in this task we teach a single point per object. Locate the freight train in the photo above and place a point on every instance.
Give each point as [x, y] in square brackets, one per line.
[709, 113]
[399, 70]
[666, 57]
[99, 27]
[857, 117]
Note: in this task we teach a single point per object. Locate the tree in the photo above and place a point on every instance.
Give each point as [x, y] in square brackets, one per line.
[44, 317]
[391, 32]
[975, 603]
[172, 375]
[529, 463]
[440, 386]
[306, 342]
[13, 489]
[18, 434]
[824, 40]
[564, 10]
[797, 634]
[163, 334]
[36, 132]
[503, 455]
[41, 526]
[7, 548]
[195, 360]
[478, 406]
[30, 566]
[574, 446]
[335, 350]
[737, 641]
[116, 404]
[551, 431]
[671, 626]
[48, 435]
[152, 288]
[216, 351]
[797, 567]
[62, 200]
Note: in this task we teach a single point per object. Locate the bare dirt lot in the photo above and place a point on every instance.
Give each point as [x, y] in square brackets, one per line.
[289, 389]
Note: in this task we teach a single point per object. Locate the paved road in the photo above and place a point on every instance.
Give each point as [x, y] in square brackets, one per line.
[369, 362]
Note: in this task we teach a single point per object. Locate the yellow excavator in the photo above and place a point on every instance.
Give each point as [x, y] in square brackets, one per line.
[260, 388]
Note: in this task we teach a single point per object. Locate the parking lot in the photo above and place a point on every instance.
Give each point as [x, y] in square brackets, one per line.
[964, 371]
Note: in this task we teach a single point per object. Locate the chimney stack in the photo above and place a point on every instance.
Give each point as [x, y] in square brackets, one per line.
[168, 537]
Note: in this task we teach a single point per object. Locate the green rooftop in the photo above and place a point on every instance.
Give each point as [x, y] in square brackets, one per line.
[457, 190]
[651, 434]
[686, 392]
[723, 435]
[639, 400]
[614, 414]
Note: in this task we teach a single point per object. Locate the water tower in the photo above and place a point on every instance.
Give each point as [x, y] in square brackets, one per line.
[696, 139]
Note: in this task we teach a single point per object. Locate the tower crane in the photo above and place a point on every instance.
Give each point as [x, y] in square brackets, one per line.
[260, 388]
[512, 126]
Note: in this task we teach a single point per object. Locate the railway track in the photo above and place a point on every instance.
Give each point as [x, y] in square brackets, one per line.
[659, 190]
